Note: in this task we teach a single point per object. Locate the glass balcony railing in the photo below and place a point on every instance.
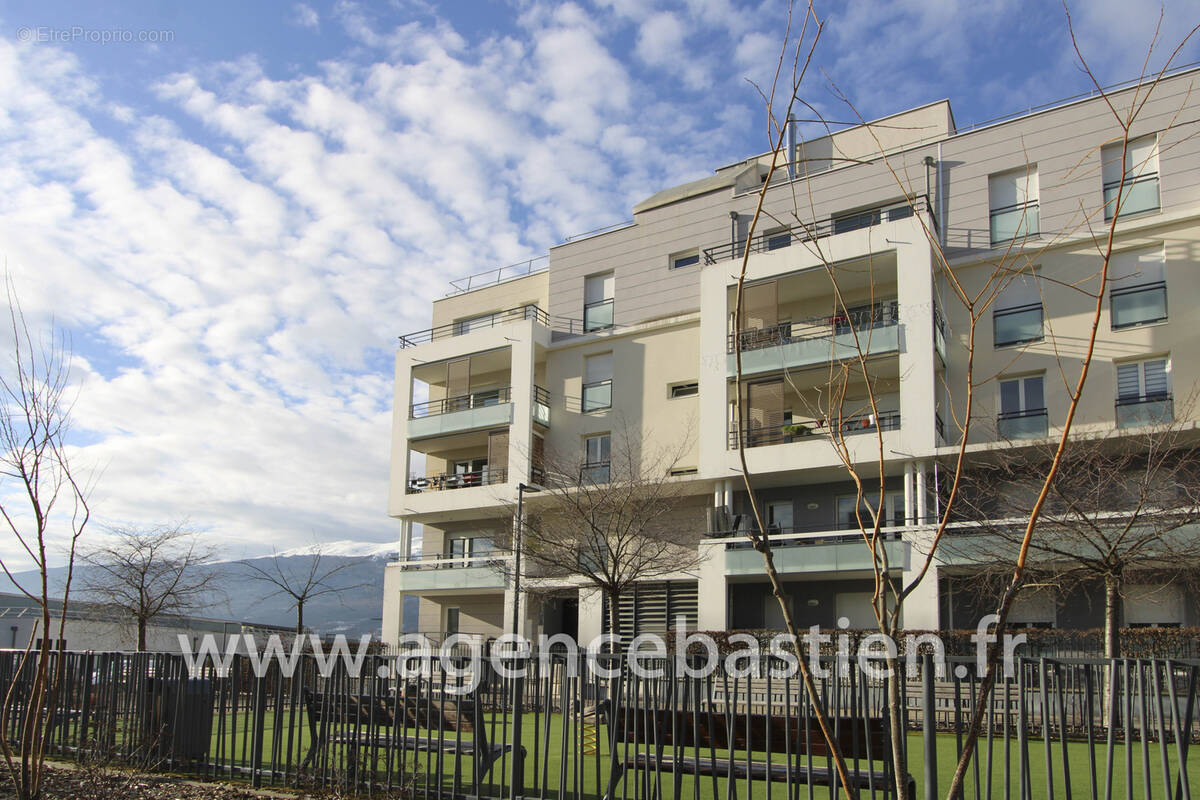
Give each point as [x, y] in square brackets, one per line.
[595, 472]
[1030, 423]
[597, 396]
[799, 431]
[1021, 325]
[1140, 410]
[1014, 222]
[1136, 195]
[598, 316]
[1138, 305]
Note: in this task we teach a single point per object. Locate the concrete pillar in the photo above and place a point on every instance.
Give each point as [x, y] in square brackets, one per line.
[920, 607]
[711, 589]
[591, 615]
[909, 511]
[922, 495]
[520, 436]
[918, 396]
[393, 606]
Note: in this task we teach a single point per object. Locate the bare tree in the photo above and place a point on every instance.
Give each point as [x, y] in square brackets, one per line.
[44, 493]
[290, 577]
[838, 403]
[613, 521]
[1114, 513]
[146, 572]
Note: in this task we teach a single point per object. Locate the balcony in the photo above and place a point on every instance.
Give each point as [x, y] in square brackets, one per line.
[1030, 423]
[1017, 221]
[457, 480]
[490, 408]
[852, 425]
[780, 238]
[807, 342]
[594, 472]
[1140, 410]
[824, 551]
[465, 326]
[1136, 195]
[450, 574]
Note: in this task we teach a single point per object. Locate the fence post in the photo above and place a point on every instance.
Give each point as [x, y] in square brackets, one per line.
[929, 726]
[260, 719]
[518, 762]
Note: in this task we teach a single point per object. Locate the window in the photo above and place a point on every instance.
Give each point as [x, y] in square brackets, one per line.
[779, 516]
[597, 459]
[1139, 288]
[686, 259]
[893, 510]
[778, 239]
[855, 220]
[1017, 318]
[1144, 393]
[1022, 408]
[1013, 204]
[451, 621]
[1133, 181]
[597, 382]
[681, 471]
[465, 326]
[684, 389]
[598, 301]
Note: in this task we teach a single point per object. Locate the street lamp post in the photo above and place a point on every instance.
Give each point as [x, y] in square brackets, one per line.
[518, 534]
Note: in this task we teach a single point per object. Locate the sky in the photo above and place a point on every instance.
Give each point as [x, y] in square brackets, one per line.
[233, 209]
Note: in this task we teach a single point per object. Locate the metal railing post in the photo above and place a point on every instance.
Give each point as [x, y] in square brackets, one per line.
[929, 726]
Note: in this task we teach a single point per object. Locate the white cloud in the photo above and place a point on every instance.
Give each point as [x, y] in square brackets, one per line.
[305, 16]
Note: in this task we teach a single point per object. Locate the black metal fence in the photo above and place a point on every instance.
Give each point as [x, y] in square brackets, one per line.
[560, 726]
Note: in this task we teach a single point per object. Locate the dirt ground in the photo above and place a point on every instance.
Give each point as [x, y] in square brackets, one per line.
[63, 782]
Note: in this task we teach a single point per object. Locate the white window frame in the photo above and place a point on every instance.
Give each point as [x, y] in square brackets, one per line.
[685, 255]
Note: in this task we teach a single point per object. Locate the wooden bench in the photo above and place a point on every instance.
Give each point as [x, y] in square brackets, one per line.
[705, 743]
[425, 724]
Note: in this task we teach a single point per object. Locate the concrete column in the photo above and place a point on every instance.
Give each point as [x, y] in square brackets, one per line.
[406, 539]
[922, 495]
[520, 436]
[909, 511]
[393, 606]
[918, 396]
[711, 589]
[921, 607]
[401, 400]
[591, 615]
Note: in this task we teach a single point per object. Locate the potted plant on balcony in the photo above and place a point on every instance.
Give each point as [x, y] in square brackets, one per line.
[794, 430]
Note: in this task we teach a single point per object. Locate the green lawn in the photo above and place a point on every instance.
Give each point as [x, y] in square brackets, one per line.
[583, 775]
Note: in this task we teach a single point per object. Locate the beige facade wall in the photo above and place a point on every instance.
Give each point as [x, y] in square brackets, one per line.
[671, 324]
[528, 290]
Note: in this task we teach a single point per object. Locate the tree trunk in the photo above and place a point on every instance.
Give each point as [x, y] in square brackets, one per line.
[141, 643]
[1112, 615]
[896, 726]
[300, 618]
[614, 613]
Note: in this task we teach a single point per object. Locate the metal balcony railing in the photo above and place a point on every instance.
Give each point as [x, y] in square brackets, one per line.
[800, 431]
[859, 318]
[597, 396]
[778, 239]
[1137, 195]
[457, 480]
[1018, 325]
[463, 326]
[598, 316]
[448, 405]
[452, 560]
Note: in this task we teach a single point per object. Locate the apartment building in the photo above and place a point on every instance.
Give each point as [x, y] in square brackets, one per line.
[634, 327]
